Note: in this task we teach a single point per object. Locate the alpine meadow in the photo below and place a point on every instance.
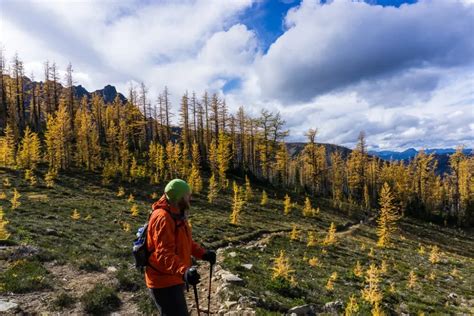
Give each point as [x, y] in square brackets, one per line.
[320, 153]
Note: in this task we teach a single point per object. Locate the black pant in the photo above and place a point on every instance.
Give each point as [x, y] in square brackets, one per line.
[170, 301]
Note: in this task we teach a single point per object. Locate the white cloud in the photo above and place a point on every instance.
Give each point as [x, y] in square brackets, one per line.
[333, 46]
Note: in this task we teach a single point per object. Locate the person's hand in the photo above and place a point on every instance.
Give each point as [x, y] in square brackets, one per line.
[210, 256]
[191, 276]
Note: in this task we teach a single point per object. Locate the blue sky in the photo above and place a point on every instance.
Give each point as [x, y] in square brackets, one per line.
[400, 70]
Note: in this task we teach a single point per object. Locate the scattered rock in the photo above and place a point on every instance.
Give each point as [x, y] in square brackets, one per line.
[247, 266]
[6, 306]
[23, 251]
[403, 307]
[303, 310]
[230, 304]
[248, 301]
[452, 296]
[231, 278]
[333, 307]
[111, 269]
[51, 232]
[232, 254]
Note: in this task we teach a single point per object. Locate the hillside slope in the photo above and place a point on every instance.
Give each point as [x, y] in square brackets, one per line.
[54, 263]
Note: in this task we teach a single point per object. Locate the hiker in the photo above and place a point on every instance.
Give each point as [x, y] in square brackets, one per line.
[171, 246]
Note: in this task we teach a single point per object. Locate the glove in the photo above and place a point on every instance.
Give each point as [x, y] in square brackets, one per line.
[210, 256]
[191, 276]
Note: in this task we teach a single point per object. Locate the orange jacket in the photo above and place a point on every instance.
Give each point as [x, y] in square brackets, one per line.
[170, 245]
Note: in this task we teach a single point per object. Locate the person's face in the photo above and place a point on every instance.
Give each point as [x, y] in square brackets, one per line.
[185, 203]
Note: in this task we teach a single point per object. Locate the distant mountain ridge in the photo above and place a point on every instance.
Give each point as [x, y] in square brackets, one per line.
[410, 153]
[108, 93]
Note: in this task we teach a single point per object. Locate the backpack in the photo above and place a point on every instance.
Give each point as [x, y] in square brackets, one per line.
[139, 248]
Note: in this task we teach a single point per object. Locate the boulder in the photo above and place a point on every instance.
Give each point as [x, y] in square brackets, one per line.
[452, 296]
[302, 310]
[6, 306]
[230, 304]
[333, 307]
[51, 232]
[231, 278]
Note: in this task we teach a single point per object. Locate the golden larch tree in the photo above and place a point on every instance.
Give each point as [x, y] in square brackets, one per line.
[330, 283]
[352, 307]
[213, 189]
[15, 201]
[237, 204]
[264, 200]
[29, 152]
[388, 216]
[75, 215]
[312, 241]
[8, 148]
[195, 180]
[287, 205]
[294, 234]
[248, 190]
[281, 267]
[371, 293]
[308, 209]
[3, 223]
[331, 235]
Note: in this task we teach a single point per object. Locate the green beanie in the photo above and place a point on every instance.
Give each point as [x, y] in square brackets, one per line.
[176, 189]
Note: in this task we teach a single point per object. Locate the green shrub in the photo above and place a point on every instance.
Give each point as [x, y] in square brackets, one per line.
[100, 300]
[24, 276]
[90, 265]
[285, 288]
[145, 304]
[63, 300]
[129, 280]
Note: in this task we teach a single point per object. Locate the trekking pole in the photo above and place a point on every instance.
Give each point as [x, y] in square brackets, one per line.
[196, 298]
[209, 292]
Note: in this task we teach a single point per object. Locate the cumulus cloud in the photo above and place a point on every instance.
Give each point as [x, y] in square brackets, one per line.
[332, 46]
